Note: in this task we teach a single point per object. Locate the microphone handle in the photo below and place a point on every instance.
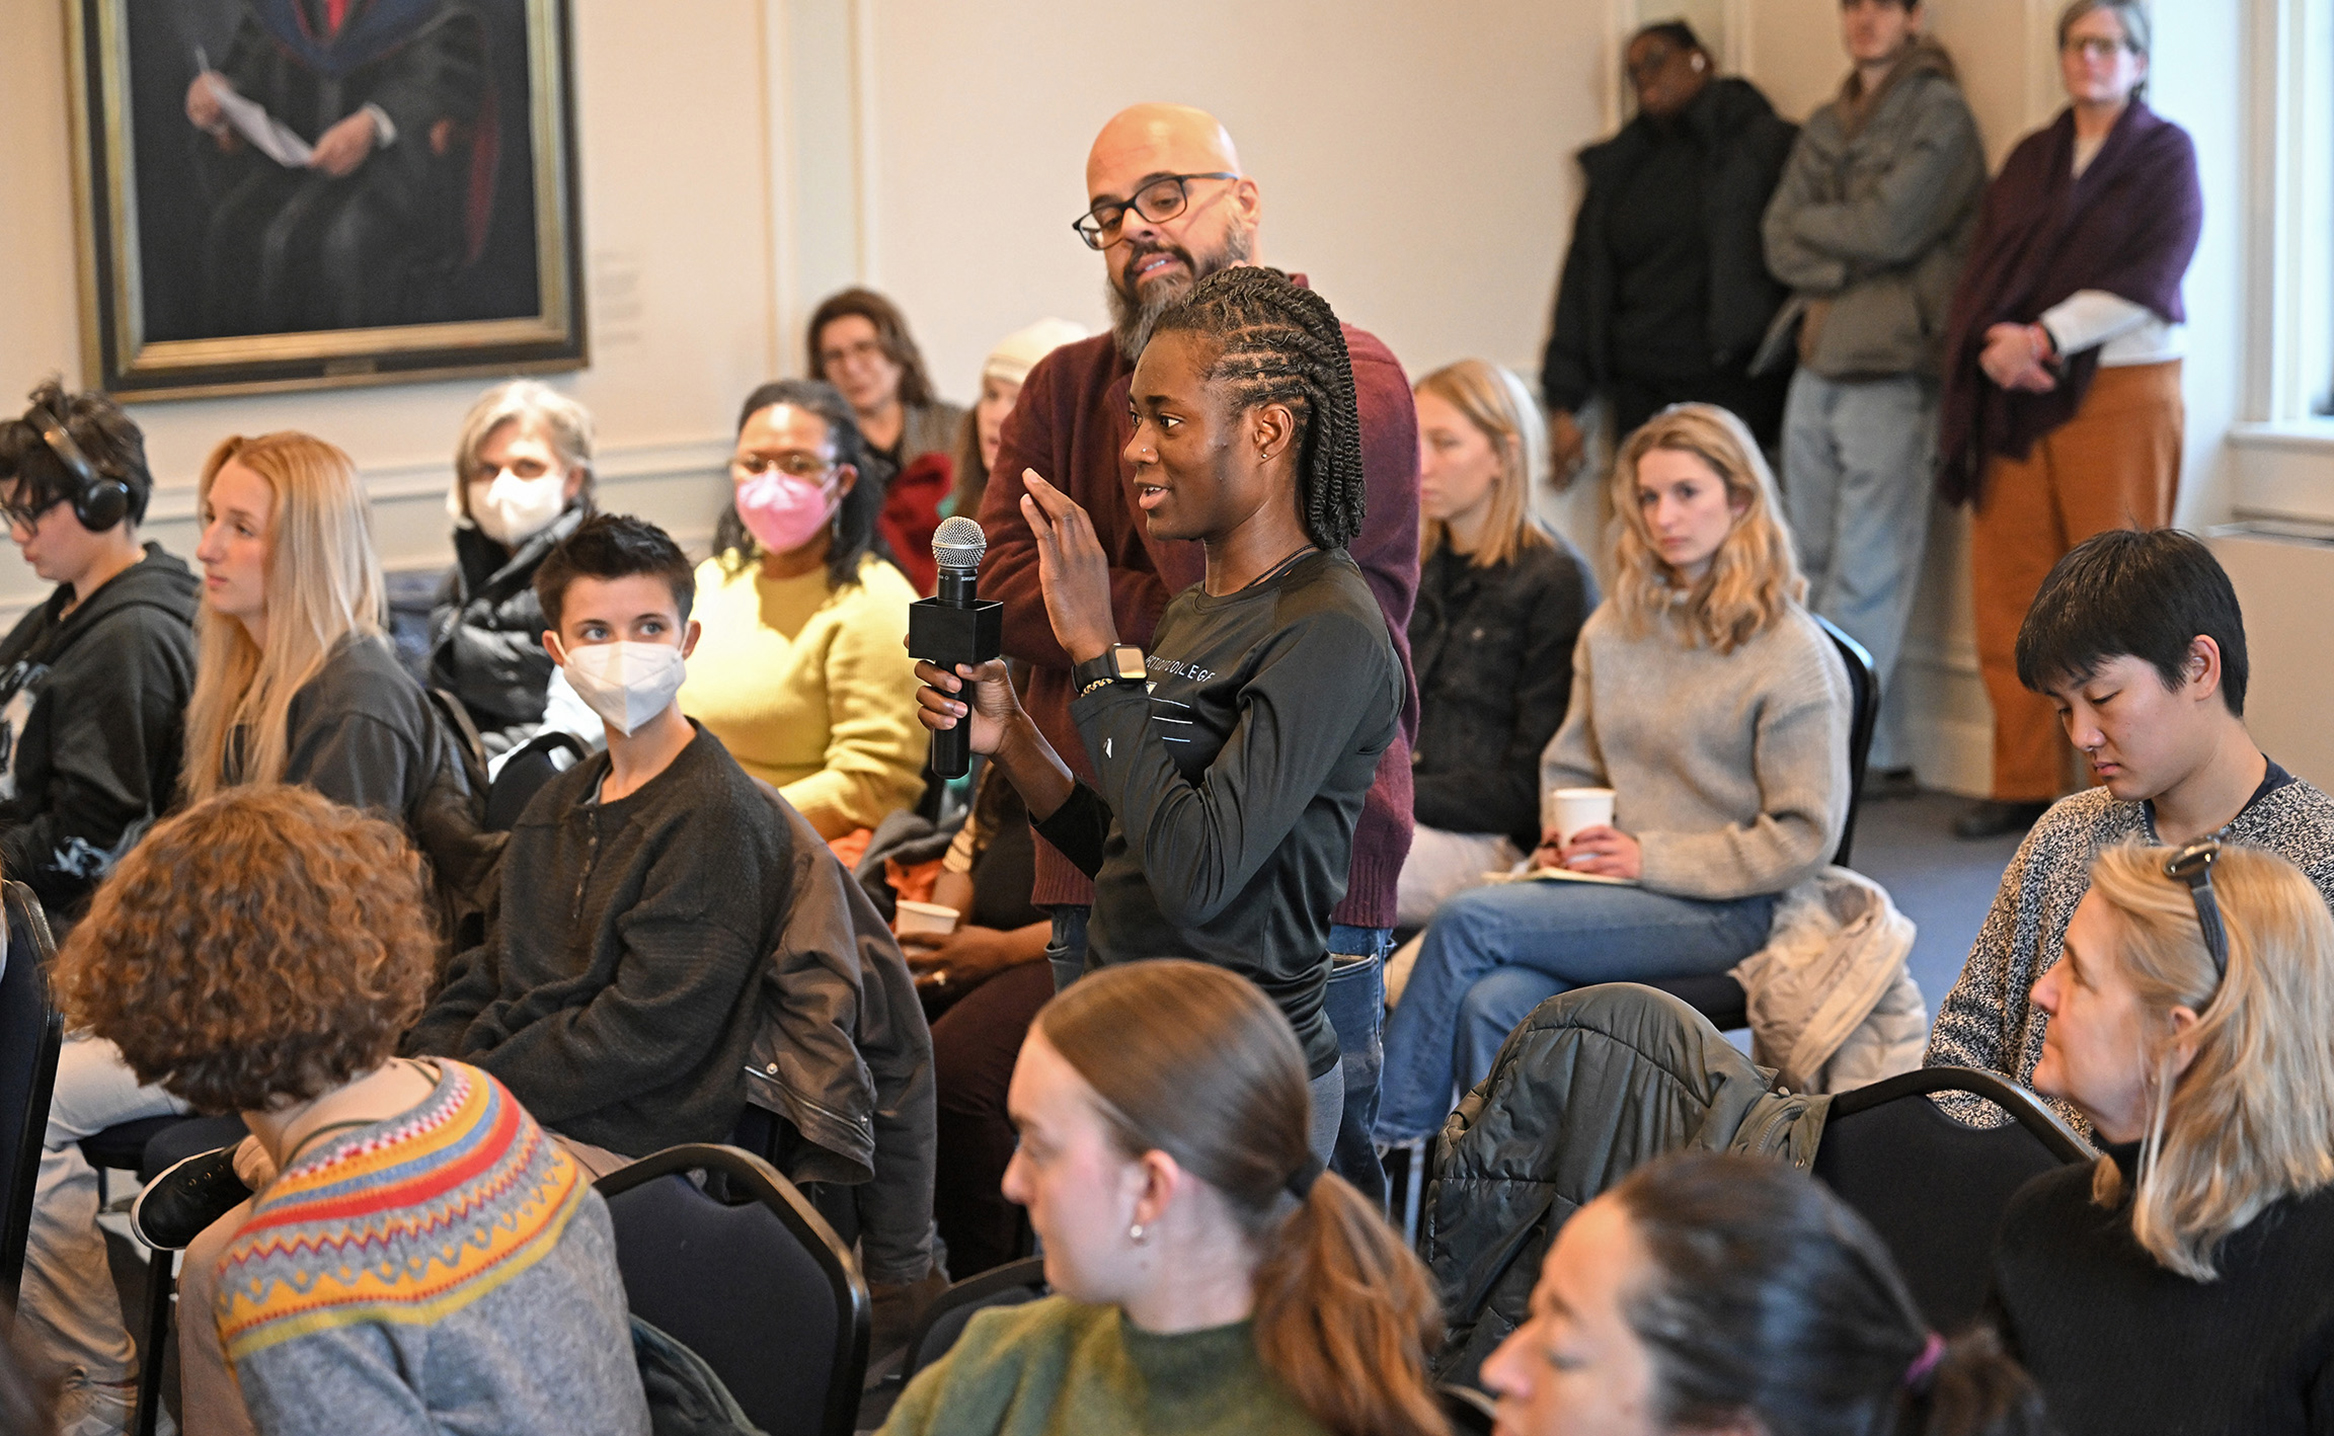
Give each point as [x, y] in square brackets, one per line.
[952, 748]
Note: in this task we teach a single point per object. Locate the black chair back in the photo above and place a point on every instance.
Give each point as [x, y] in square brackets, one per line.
[31, 1032]
[762, 1289]
[944, 1320]
[1933, 1188]
[1863, 720]
[1718, 996]
[523, 774]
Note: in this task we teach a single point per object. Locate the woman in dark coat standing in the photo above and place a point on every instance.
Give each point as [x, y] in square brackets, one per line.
[1665, 294]
[2061, 415]
[522, 482]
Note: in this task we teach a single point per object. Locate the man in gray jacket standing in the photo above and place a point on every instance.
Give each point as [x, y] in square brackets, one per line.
[1869, 227]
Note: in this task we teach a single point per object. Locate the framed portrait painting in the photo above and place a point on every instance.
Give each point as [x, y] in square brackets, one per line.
[282, 194]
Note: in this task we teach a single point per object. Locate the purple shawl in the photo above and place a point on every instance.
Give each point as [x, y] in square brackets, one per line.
[2128, 226]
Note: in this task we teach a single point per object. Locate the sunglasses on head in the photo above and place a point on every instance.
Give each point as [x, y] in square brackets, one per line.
[2192, 866]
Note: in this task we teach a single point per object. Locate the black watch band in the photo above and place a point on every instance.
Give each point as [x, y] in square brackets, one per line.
[1120, 663]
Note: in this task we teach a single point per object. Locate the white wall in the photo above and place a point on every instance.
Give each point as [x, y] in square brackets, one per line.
[1415, 163]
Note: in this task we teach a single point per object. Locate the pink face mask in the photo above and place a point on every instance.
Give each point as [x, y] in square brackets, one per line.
[781, 511]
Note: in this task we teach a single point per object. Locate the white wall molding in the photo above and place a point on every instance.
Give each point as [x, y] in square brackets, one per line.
[679, 485]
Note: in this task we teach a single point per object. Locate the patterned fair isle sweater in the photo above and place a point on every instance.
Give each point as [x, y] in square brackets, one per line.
[447, 1269]
[1987, 1021]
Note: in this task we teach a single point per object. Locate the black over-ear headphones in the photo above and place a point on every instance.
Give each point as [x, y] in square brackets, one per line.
[99, 501]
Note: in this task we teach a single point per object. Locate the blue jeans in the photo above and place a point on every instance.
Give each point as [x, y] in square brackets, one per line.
[1495, 953]
[1066, 949]
[1857, 462]
[1355, 1004]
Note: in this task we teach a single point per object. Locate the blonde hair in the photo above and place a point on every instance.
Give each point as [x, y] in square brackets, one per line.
[567, 426]
[1196, 1062]
[323, 583]
[2250, 1120]
[1496, 402]
[1754, 577]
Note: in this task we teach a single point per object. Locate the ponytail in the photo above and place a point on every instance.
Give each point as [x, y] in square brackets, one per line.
[1973, 1388]
[1196, 1062]
[1769, 1298]
[1345, 1315]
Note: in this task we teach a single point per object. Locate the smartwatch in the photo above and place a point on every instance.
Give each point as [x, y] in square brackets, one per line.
[1123, 663]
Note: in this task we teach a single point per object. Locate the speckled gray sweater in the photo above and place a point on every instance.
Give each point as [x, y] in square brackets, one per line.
[1987, 1021]
[1730, 769]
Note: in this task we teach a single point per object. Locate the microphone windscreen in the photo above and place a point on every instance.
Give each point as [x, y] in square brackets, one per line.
[959, 543]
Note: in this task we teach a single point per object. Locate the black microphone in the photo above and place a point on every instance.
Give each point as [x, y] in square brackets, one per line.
[953, 627]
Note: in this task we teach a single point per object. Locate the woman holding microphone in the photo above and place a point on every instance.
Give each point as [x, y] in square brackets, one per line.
[1234, 758]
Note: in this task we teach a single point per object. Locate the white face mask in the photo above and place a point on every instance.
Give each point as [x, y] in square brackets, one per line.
[511, 510]
[626, 683]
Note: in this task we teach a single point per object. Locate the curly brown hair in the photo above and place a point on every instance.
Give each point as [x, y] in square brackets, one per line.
[264, 945]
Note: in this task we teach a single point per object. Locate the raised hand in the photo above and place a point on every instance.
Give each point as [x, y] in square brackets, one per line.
[1072, 569]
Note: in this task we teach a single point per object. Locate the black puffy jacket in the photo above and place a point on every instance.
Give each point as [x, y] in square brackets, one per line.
[486, 633]
[1493, 651]
[1593, 1084]
[1744, 144]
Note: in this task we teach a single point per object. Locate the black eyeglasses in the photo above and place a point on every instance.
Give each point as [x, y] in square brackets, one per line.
[1158, 200]
[2192, 865]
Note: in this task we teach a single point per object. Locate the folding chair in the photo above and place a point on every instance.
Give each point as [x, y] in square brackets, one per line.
[1933, 1188]
[759, 1286]
[944, 1321]
[31, 1033]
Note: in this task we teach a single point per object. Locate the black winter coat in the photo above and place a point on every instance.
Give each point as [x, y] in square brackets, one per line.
[93, 725]
[1745, 144]
[486, 633]
[1493, 650]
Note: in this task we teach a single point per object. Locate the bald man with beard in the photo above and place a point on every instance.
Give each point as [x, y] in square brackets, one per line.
[1168, 204]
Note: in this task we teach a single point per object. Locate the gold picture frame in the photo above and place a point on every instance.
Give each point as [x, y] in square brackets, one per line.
[212, 263]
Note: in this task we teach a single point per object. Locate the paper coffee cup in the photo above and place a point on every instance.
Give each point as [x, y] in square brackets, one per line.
[1567, 810]
[923, 917]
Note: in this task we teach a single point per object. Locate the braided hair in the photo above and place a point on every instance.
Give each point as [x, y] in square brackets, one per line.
[1281, 344]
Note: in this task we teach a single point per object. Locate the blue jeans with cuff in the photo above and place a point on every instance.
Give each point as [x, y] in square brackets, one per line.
[1495, 953]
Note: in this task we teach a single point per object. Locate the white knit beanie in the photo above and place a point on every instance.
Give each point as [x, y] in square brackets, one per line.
[1017, 353]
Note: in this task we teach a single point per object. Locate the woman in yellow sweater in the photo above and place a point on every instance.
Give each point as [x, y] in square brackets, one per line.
[800, 672]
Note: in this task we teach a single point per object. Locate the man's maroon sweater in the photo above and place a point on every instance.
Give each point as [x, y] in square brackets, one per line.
[1070, 424]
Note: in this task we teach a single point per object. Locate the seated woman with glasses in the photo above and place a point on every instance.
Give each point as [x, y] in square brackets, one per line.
[1714, 707]
[522, 482]
[859, 342]
[800, 672]
[1714, 1292]
[2179, 1284]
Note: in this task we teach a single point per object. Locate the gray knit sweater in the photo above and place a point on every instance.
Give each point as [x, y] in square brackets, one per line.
[1987, 1021]
[1730, 770]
